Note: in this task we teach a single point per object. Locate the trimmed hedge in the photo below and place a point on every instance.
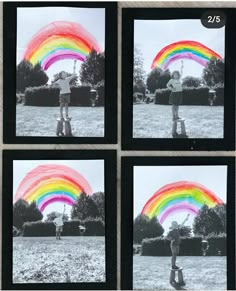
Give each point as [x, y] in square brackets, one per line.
[101, 95]
[191, 96]
[220, 91]
[156, 247]
[94, 227]
[161, 247]
[162, 96]
[216, 246]
[49, 96]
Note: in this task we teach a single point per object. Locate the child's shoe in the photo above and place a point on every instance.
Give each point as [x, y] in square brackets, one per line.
[175, 267]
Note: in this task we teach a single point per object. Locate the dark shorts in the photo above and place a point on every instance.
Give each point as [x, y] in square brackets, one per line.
[174, 249]
[64, 98]
[59, 228]
[176, 98]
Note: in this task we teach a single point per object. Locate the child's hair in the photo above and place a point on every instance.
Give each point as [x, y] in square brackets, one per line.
[60, 74]
[175, 72]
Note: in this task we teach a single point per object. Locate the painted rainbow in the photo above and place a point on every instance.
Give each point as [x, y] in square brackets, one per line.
[51, 183]
[177, 197]
[184, 49]
[60, 40]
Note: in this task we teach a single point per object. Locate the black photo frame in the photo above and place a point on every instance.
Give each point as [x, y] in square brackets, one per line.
[131, 143]
[109, 158]
[9, 75]
[127, 187]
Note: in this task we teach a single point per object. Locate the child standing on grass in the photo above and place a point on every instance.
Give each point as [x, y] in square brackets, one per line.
[64, 85]
[174, 237]
[176, 96]
[58, 222]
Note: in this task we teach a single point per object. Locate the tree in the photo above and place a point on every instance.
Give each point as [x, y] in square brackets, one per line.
[190, 81]
[74, 81]
[221, 212]
[145, 227]
[157, 79]
[210, 220]
[51, 216]
[213, 73]
[185, 231]
[99, 199]
[92, 71]
[25, 212]
[138, 71]
[29, 76]
[84, 207]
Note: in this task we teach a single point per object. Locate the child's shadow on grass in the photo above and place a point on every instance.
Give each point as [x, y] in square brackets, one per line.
[178, 286]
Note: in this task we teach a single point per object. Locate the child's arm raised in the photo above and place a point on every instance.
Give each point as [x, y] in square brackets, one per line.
[181, 68]
[73, 74]
[184, 220]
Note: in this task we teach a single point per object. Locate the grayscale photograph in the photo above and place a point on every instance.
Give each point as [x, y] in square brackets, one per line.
[178, 79]
[60, 72]
[179, 228]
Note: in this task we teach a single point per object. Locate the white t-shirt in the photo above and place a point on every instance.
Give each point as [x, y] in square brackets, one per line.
[64, 85]
[176, 85]
[58, 221]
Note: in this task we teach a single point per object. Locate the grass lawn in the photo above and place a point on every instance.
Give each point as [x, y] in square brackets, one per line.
[200, 273]
[47, 260]
[155, 121]
[42, 121]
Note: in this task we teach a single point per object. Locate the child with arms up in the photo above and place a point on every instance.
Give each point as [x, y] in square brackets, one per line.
[64, 84]
[174, 237]
[58, 222]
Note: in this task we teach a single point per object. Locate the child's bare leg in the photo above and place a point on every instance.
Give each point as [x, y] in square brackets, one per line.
[177, 111]
[66, 109]
[61, 109]
[173, 260]
[173, 111]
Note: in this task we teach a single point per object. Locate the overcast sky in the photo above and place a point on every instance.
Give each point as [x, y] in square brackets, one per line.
[31, 20]
[149, 179]
[150, 36]
[91, 170]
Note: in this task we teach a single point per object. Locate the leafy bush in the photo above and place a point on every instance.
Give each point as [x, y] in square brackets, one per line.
[38, 228]
[191, 96]
[161, 247]
[101, 93]
[94, 227]
[220, 92]
[210, 220]
[191, 246]
[156, 247]
[145, 227]
[216, 245]
[162, 96]
[190, 81]
[25, 212]
[49, 96]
